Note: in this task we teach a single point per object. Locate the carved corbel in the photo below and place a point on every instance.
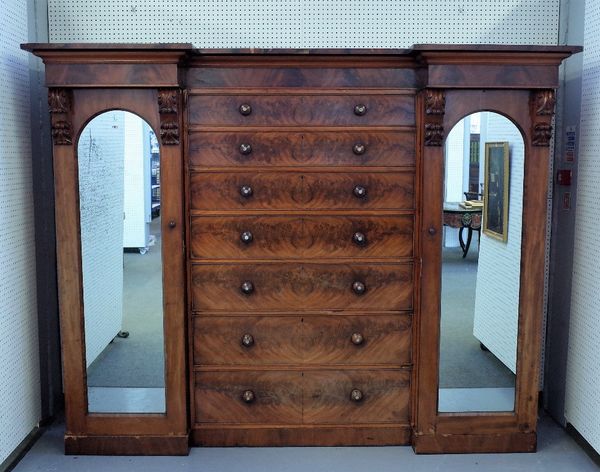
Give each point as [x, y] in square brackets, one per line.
[60, 106]
[168, 109]
[435, 107]
[542, 112]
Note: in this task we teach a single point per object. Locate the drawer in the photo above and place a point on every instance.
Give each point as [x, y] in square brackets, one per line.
[271, 397]
[264, 237]
[305, 286]
[271, 148]
[302, 190]
[277, 340]
[355, 397]
[301, 110]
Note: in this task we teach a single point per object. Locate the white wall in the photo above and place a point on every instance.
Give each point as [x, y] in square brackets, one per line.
[20, 407]
[582, 402]
[100, 160]
[497, 292]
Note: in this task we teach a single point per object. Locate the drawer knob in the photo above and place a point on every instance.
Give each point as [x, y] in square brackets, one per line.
[245, 109]
[247, 340]
[246, 191]
[360, 191]
[359, 239]
[247, 287]
[359, 149]
[356, 395]
[245, 149]
[247, 237]
[248, 396]
[360, 109]
[357, 339]
[359, 287]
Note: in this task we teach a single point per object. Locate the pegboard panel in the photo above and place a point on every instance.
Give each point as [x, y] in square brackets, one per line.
[497, 294]
[100, 164]
[582, 402]
[20, 406]
[305, 23]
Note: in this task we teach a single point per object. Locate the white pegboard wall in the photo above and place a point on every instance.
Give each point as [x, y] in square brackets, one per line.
[305, 24]
[20, 406]
[582, 403]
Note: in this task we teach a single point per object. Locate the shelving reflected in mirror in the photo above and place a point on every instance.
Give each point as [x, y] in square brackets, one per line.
[481, 260]
[119, 206]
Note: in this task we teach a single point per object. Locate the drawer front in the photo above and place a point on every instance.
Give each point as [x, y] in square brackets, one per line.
[263, 340]
[301, 110]
[247, 340]
[272, 397]
[379, 397]
[357, 340]
[260, 237]
[267, 148]
[301, 190]
[284, 287]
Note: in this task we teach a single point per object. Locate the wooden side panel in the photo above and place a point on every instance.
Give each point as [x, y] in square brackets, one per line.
[301, 191]
[283, 287]
[301, 237]
[270, 148]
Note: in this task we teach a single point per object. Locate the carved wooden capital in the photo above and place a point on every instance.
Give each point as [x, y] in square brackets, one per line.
[168, 109]
[542, 103]
[435, 102]
[542, 134]
[59, 105]
[545, 100]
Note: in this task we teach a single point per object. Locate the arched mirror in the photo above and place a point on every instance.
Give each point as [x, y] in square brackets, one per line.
[119, 206]
[481, 263]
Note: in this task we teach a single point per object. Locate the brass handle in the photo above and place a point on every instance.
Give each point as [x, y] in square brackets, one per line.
[247, 340]
[248, 396]
[360, 109]
[247, 287]
[356, 395]
[359, 149]
[359, 287]
[245, 149]
[247, 237]
[246, 191]
[359, 238]
[245, 109]
[360, 191]
[357, 339]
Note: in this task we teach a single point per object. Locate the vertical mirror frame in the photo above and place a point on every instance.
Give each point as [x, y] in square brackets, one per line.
[120, 433]
[531, 111]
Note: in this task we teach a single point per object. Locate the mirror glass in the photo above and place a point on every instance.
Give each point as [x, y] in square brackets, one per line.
[481, 259]
[119, 205]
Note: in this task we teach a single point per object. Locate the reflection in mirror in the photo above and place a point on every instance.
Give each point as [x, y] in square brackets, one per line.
[481, 258]
[119, 204]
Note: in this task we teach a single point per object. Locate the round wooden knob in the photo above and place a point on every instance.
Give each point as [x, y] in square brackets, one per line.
[360, 109]
[359, 149]
[247, 237]
[172, 224]
[245, 109]
[357, 339]
[245, 149]
[247, 340]
[360, 191]
[359, 288]
[356, 395]
[246, 191]
[359, 238]
[248, 396]
[247, 287]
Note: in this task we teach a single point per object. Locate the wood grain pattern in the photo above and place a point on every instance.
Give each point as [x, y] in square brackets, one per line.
[301, 190]
[123, 445]
[301, 237]
[302, 340]
[298, 110]
[385, 397]
[273, 148]
[303, 286]
[278, 397]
